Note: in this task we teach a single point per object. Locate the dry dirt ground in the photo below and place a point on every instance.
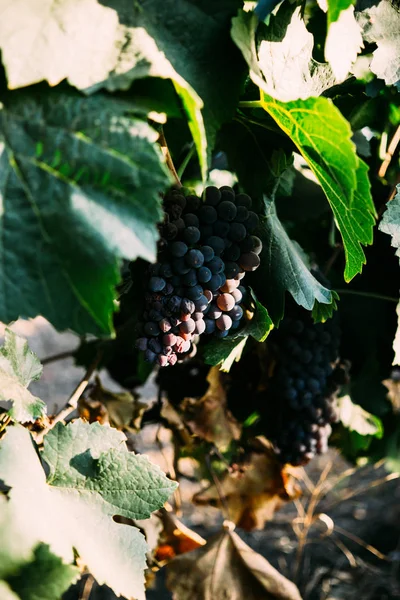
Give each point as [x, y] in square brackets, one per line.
[351, 551]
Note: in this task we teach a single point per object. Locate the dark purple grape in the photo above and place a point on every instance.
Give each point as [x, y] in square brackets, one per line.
[214, 283]
[210, 325]
[231, 270]
[141, 344]
[221, 228]
[187, 326]
[193, 203]
[257, 247]
[216, 243]
[150, 356]
[155, 315]
[206, 231]
[156, 284]
[227, 193]
[194, 293]
[204, 274]
[251, 222]
[174, 303]
[190, 278]
[191, 235]
[207, 214]
[201, 304]
[195, 258]
[236, 313]
[165, 325]
[227, 210]
[237, 232]
[216, 265]
[187, 306]
[221, 333]
[232, 253]
[178, 249]
[200, 327]
[208, 253]
[166, 270]
[243, 200]
[169, 231]
[151, 328]
[241, 214]
[249, 261]
[191, 220]
[180, 266]
[155, 345]
[214, 312]
[212, 195]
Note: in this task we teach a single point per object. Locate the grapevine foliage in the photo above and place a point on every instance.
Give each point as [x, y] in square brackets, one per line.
[177, 178]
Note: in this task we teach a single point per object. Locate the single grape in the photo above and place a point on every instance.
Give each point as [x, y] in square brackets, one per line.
[214, 283]
[162, 360]
[236, 313]
[169, 339]
[221, 228]
[150, 356]
[193, 203]
[237, 232]
[216, 265]
[257, 247]
[191, 220]
[204, 274]
[151, 328]
[227, 210]
[233, 252]
[241, 214]
[227, 194]
[195, 258]
[177, 197]
[175, 321]
[141, 343]
[165, 325]
[180, 266]
[237, 294]
[170, 231]
[231, 270]
[209, 295]
[209, 325]
[201, 304]
[225, 302]
[190, 278]
[166, 270]
[251, 222]
[235, 324]
[222, 277]
[178, 249]
[155, 345]
[221, 333]
[212, 195]
[179, 224]
[229, 286]
[194, 293]
[168, 290]
[216, 243]
[191, 235]
[197, 316]
[174, 303]
[187, 306]
[156, 284]
[214, 312]
[249, 261]
[187, 326]
[224, 322]
[207, 252]
[200, 327]
[207, 214]
[243, 200]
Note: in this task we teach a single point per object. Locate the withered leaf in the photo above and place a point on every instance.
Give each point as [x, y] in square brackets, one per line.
[226, 568]
[253, 491]
[175, 538]
[209, 417]
[393, 387]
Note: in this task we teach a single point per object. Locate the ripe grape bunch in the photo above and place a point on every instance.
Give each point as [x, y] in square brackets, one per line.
[195, 288]
[301, 392]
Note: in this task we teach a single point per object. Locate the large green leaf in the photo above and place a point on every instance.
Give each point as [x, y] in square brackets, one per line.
[19, 366]
[335, 8]
[390, 223]
[80, 182]
[92, 478]
[381, 25]
[110, 43]
[323, 136]
[224, 352]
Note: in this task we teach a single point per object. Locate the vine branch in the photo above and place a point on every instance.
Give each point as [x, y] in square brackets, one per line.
[73, 400]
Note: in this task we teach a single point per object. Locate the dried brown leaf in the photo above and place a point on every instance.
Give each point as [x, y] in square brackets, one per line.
[393, 387]
[209, 417]
[175, 538]
[253, 491]
[226, 568]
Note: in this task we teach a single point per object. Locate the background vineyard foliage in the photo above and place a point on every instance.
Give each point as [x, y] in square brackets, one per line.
[299, 108]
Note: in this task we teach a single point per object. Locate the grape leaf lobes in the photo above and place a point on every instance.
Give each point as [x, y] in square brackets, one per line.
[298, 406]
[195, 288]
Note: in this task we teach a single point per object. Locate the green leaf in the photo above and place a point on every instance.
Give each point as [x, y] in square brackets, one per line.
[45, 578]
[19, 366]
[92, 478]
[81, 177]
[224, 352]
[390, 222]
[283, 269]
[381, 25]
[355, 418]
[94, 44]
[323, 136]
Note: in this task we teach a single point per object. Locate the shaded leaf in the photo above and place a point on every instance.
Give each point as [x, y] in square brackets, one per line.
[355, 418]
[19, 366]
[84, 195]
[283, 270]
[92, 478]
[390, 222]
[323, 136]
[381, 25]
[224, 352]
[209, 417]
[227, 568]
[255, 490]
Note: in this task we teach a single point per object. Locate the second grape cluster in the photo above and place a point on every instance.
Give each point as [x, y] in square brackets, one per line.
[196, 288]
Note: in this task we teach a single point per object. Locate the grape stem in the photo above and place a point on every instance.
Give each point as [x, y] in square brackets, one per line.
[168, 158]
[73, 400]
[55, 357]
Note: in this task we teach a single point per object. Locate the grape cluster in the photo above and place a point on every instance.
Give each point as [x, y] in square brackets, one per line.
[300, 399]
[206, 247]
